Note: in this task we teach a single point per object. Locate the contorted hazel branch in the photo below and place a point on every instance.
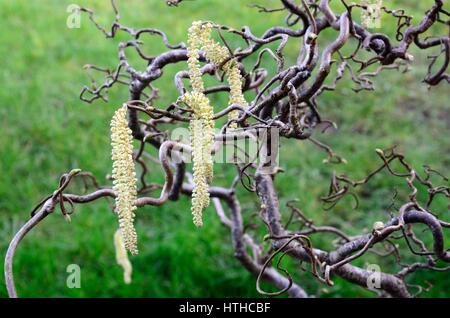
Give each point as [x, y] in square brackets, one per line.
[124, 176]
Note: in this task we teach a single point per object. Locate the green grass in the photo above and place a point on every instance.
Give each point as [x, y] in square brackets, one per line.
[47, 130]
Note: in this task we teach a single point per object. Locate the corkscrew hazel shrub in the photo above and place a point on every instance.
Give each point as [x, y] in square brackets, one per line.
[287, 102]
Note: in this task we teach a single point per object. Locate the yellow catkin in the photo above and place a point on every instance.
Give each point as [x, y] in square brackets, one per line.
[124, 176]
[236, 95]
[218, 54]
[202, 138]
[202, 123]
[122, 256]
[200, 194]
[198, 33]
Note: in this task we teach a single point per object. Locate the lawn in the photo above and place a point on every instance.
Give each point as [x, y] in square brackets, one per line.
[47, 130]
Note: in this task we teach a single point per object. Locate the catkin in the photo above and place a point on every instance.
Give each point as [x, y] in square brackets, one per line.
[202, 123]
[124, 176]
[122, 256]
[218, 54]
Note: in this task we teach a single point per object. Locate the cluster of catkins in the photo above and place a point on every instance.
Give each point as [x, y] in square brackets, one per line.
[202, 123]
[202, 138]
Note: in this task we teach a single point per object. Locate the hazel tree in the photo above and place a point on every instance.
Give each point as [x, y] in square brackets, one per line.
[265, 111]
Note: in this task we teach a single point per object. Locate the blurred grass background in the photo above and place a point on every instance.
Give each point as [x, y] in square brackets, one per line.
[46, 131]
